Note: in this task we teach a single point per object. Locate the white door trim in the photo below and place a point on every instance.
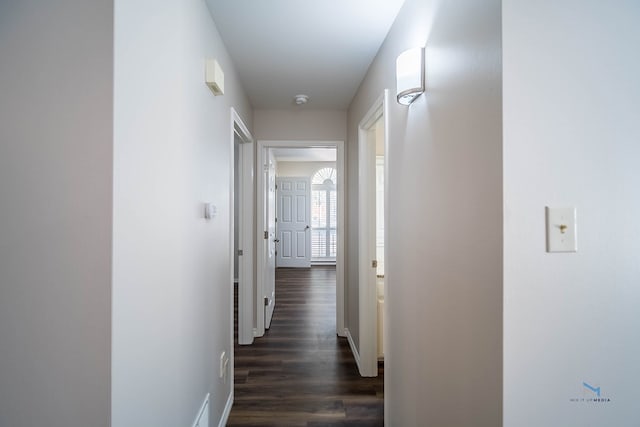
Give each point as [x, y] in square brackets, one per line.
[340, 259]
[245, 230]
[367, 290]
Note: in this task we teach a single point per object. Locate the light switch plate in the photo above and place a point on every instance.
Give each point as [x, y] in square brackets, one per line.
[561, 229]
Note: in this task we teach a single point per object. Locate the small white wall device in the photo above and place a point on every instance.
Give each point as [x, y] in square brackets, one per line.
[561, 229]
[214, 77]
[210, 211]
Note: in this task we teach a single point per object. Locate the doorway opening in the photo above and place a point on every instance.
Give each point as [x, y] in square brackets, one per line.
[294, 238]
[241, 228]
[372, 283]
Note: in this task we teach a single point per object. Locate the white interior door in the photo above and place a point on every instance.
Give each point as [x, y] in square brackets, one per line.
[294, 232]
[269, 287]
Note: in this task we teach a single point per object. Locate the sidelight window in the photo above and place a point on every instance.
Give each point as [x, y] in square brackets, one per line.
[324, 215]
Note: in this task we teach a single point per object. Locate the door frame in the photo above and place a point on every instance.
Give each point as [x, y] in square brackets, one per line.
[367, 356]
[245, 229]
[340, 258]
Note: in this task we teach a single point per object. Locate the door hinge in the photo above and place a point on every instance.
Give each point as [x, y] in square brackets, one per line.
[266, 234]
[374, 263]
[240, 252]
[276, 219]
[266, 301]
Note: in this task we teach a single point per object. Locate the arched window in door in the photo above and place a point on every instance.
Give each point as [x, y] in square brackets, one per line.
[324, 215]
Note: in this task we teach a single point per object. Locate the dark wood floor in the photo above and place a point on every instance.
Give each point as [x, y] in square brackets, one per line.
[300, 373]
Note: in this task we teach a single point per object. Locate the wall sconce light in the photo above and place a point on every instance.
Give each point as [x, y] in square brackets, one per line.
[410, 75]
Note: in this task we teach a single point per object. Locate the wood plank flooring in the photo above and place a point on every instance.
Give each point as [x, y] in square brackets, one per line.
[300, 373]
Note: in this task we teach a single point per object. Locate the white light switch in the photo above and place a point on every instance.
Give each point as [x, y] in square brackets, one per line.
[561, 230]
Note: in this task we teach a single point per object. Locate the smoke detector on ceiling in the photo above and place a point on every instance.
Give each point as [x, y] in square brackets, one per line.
[301, 99]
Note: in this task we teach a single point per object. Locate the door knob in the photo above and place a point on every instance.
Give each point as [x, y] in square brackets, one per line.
[307, 227]
[276, 240]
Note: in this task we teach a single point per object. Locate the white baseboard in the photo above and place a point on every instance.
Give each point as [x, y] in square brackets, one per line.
[354, 350]
[227, 411]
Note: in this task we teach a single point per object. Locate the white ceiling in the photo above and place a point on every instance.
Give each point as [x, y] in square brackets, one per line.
[321, 48]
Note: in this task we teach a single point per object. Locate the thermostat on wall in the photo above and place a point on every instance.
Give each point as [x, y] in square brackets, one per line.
[214, 77]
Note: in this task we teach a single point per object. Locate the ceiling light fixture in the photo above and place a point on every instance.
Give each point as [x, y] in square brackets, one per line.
[301, 99]
[410, 75]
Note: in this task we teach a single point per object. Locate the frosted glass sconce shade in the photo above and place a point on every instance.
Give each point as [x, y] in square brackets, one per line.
[410, 75]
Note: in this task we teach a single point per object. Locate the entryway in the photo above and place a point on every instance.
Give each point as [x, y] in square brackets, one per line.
[372, 286]
[300, 223]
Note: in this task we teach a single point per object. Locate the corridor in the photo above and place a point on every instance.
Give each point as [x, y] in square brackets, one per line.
[300, 373]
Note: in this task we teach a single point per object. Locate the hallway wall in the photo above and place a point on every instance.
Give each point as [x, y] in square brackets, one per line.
[56, 122]
[172, 307]
[302, 168]
[300, 124]
[571, 138]
[443, 360]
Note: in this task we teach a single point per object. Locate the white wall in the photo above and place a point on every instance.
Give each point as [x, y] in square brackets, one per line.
[55, 212]
[444, 266]
[171, 268]
[302, 168]
[300, 124]
[571, 138]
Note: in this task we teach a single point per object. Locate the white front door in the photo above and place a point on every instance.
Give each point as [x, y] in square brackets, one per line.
[294, 210]
[269, 287]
